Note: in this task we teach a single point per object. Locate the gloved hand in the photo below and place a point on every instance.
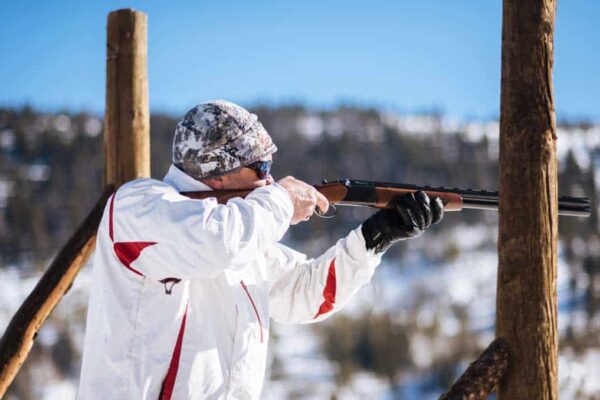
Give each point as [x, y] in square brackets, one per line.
[412, 215]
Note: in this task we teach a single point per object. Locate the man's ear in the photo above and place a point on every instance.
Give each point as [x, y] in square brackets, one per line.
[215, 183]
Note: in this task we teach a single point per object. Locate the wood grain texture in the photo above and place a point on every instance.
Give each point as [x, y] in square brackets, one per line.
[385, 197]
[483, 375]
[527, 244]
[127, 116]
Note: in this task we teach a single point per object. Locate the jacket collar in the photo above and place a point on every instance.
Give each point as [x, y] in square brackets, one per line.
[183, 182]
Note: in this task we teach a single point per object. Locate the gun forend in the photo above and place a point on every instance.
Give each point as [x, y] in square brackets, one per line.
[346, 193]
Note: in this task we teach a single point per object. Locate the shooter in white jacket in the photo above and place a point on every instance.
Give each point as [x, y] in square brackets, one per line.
[184, 290]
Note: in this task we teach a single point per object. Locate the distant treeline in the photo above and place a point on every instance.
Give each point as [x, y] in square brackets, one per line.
[51, 168]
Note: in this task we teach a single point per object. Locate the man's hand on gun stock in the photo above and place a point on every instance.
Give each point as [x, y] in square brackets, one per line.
[304, 197]
[412, 215]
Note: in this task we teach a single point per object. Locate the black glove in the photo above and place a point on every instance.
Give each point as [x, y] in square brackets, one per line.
[412, 215]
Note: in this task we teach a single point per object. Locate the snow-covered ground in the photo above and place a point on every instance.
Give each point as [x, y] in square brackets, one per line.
[299, 368]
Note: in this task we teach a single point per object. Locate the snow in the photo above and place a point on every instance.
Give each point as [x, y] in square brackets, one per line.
[92, 127]
[431, 286]
[311, 126]
[576, 374]
[8, 139]
[61, 390]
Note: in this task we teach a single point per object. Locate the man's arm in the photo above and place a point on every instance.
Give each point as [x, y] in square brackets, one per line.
[308, 290]
[303, 290]
[161, 234]
[186, 238]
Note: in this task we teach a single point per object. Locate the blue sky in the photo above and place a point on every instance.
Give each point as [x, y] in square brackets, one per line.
[405, 55]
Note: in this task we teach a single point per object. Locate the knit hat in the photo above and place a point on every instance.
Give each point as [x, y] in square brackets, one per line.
[216, 137]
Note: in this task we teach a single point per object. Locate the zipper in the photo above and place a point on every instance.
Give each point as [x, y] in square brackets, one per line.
[255, 309]
[169, 283]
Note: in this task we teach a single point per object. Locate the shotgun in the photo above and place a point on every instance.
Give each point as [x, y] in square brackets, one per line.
[353, 192]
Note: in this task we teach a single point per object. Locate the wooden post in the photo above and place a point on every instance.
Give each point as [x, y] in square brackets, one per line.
[18, 337]
[127, 119]
[483, 375]
[527, 244]
[127, 156]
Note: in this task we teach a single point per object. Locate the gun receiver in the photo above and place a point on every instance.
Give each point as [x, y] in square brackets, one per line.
[353, 192]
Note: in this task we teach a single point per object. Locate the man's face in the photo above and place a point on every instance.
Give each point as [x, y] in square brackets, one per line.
[242, 178]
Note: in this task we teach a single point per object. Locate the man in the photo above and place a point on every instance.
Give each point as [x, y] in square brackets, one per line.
[184, 289]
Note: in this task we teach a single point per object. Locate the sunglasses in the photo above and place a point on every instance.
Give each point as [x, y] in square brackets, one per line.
[262, 168]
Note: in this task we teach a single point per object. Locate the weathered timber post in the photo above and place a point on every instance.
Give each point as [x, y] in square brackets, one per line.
[126, 119]
[18, 337]
[127, 156]
[483, 375]
[527, 244]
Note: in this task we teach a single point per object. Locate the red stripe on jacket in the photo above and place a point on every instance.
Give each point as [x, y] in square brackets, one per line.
[110, 215]
[166, 391]
[255, 310]
[329, 291]
[126, 252]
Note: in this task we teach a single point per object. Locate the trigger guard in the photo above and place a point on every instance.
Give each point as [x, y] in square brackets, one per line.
[332, 212]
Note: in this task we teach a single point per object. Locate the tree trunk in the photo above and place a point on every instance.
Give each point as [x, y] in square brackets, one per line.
[527, 243]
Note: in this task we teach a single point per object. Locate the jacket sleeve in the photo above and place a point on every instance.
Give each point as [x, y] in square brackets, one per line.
[183, 238]
[305, 290]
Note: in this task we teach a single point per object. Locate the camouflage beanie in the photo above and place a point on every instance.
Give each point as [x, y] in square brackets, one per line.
[216, 137]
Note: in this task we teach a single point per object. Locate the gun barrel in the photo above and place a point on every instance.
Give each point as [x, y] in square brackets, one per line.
[567, 206]
[480, 199]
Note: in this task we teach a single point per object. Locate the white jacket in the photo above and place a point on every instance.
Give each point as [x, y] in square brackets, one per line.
[184, 291]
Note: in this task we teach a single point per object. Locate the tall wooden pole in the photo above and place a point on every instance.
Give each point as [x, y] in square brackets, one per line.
[526, 299]
[127, 119]
[127, 156]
